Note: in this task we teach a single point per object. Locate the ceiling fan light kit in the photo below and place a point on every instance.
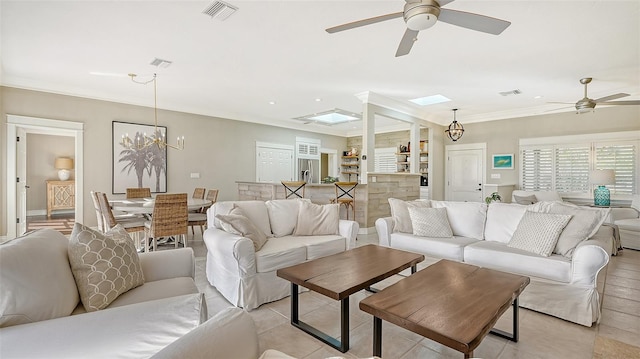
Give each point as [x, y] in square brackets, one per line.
[455, 129]
[587, 104]
[421, 15]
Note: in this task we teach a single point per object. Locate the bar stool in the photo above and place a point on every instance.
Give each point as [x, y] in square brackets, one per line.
[346, 196]
[292, 188]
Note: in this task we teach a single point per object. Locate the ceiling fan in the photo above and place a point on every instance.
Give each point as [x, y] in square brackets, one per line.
[587, 104]
[422, 14]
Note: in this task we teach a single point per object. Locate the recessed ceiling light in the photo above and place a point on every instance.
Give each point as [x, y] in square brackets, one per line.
[537, 97]
[331, 117]
[318, 99]
[430, 100]
[272, 102]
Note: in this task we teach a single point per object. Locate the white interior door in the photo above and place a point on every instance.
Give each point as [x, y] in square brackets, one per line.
[465, 173]
[274, 164]
[21, 181]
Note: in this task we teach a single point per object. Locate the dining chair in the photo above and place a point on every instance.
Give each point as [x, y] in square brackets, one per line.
[96, 207]
[293, 189]
[346, 196]
[133, 225]
[200, 218]
[169, 219]
[138, 192]
[198, 193]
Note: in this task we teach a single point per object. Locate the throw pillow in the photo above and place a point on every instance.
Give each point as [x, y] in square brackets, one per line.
[526, 200]
[316, 219]
[283, 215]
[430, 222]
[400, 213]
[104, 265]
[538, 232]
[237, 222]
[584, 223]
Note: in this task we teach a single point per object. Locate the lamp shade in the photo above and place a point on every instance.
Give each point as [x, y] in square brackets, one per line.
[64, 163]
[603, 177]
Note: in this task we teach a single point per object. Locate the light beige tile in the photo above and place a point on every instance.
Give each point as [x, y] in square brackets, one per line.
[623, 282]
[513, 351]
[393, 346]
[619, 334]
[606, 348]
[266, 319]
[307, 302]
[625, 273]
[620, 320]
[422, 352]
[289, 340]
[623, 305]
[328, 352]
[622, 292]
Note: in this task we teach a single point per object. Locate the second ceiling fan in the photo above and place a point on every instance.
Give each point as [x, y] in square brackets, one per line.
[422, 14]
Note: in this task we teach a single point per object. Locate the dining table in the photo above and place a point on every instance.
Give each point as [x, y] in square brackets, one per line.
[145, 205]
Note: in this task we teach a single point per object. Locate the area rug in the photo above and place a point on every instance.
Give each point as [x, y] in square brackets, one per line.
[63, 225]
[606, 348]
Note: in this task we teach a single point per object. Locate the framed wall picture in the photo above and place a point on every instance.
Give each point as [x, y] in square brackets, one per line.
[502, 162]
[136, 168]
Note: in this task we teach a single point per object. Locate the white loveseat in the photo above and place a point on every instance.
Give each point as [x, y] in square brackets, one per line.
[563, 287]
[42, 316]
[246, 277]
[628, 222]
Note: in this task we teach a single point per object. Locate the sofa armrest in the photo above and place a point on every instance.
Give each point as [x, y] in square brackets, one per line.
[623, 213]
[230, 250]
[349, 230]
[229, 334]
[168, 264]
[591, 256]
[384, 227]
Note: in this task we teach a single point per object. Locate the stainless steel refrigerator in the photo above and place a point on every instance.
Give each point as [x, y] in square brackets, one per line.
[309, 170]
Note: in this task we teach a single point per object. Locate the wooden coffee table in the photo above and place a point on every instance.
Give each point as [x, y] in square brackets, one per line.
[340, 275]
[454, 304]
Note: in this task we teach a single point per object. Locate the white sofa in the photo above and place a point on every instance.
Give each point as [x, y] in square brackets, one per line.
[246, 277]
[41, 315]
[628, 222]
[563, 287]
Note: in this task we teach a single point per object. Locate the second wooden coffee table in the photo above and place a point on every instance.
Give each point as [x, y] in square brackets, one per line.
[340, 275]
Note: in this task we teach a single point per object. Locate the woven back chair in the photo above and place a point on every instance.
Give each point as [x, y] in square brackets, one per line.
[200, 218]
[96, 207]
[138, 192]
[131, 224]
[346, 196]
[293, 189]
[169, 218]
[198, 193]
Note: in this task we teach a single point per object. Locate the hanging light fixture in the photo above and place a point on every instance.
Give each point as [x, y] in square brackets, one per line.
[157, 138]
[455, 129]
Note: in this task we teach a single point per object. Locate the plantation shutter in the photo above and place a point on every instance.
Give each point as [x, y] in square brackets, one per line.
[572, 168]
[621, 157]
[385, 160]
[536, 169]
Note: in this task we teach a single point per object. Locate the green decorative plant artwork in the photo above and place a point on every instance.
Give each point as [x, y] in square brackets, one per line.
[503, 162]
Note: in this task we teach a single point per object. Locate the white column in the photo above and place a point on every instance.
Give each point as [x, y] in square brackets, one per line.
[414, 136]
[367, 156]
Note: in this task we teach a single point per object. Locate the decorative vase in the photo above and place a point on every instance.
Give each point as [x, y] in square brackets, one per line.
[64, 175]
[601, 196]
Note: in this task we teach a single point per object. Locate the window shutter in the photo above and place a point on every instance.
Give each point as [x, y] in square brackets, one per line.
[572, 168]
[621, 157]
[537, 169]
[385, 160]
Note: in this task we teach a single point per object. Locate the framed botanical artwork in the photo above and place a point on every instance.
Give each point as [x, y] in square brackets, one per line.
[502, 162]
[138, 167]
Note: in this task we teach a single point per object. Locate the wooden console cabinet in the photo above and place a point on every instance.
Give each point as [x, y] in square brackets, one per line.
[60, 195]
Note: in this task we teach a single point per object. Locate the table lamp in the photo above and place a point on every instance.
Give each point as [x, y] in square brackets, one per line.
[63, 165]
[601, 178]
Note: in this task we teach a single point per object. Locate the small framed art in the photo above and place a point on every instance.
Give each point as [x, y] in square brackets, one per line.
[502, 162]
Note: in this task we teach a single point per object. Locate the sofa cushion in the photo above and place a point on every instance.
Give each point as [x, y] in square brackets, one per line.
[237, 222]
[629, 224]
[132, 331]
[283, 216]
[466, 218]
[104, 265]
[400, 213]
[430, 222]
[499, 256]
[317, 220]
[502, 221]
[35, 278]
[447, 248]
[321, 246]
[278, 253]
[526, 200]
[539, 232]
[256, 211]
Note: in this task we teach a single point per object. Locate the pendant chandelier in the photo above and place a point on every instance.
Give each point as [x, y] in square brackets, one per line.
[455, 129]
[141, 141]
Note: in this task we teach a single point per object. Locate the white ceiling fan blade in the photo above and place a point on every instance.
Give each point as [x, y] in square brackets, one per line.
[611, 97]
[633, 102]
[364, 22]
[444, 2]
[472, 21]
[562, 103]
[559, 108]
[410, 36]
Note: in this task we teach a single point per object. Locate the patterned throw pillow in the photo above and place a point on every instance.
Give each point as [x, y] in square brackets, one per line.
[430, 222]
[539, 232]
[104, 265]
[400, 213]
[236, 222]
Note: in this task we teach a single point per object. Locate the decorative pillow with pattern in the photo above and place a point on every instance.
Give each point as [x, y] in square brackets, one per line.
[430, 222]
[104, 265]
[539, 232]
[237, 222]
[400, 213]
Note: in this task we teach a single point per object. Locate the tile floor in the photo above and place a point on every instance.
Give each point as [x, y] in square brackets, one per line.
[541, 336]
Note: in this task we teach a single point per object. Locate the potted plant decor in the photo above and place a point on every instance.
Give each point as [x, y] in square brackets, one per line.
[495, 197]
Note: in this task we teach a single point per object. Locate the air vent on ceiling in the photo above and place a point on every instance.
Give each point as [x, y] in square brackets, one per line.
[512, 92]
[161, 63]
[219, 10]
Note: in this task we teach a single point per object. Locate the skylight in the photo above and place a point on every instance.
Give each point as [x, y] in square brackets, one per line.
[331, 117]
[430, 100]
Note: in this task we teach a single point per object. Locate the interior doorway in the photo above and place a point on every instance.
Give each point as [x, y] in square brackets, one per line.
[18, 127]
[465, 170]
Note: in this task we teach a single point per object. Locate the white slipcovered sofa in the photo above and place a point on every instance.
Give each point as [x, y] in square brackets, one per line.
[246, 277]
[628, 222]
[565, 287]
[41, 315]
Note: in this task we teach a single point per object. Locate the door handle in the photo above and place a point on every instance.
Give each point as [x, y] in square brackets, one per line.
[27, 186]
